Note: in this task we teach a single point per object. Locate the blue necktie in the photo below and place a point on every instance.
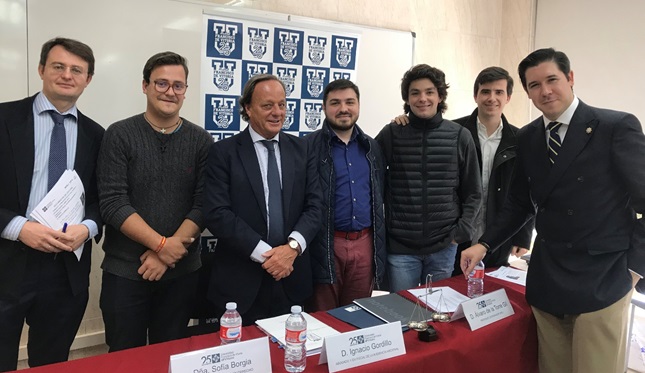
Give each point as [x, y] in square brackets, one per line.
[275, 217]
[57, 150]
[554, 140]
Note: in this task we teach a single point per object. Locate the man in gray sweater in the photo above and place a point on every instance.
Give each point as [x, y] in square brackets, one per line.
[150, 188]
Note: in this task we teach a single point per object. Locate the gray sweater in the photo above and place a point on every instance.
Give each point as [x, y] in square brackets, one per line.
[158, 176]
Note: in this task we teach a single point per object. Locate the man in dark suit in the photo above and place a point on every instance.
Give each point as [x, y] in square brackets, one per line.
[496, 143]
[41, 279]
[262, 201]
[581, 170]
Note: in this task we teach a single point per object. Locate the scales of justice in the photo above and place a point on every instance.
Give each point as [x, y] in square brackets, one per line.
[421, 316]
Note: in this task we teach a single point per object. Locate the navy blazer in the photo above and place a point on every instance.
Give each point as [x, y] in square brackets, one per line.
[16, 168]
[235, 213]
[585, 206]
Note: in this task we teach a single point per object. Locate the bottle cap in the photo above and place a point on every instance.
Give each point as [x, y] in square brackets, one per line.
[296, 309]
[231, 306]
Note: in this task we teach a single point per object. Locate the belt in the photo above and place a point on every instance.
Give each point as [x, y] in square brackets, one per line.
[352, 235]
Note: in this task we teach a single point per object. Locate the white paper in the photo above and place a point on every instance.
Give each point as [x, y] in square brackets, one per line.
[316, 331]
[65, 203]
[516, 276]
[442, 299]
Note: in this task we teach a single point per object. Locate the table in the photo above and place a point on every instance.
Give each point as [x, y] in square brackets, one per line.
[508, 345]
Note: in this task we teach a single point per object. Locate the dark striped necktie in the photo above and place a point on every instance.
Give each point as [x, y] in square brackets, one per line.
[275, 216]
[554, 140]
[57, 150]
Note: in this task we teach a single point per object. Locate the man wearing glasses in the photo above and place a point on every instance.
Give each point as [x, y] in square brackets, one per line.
[41, 280]
[150, 187]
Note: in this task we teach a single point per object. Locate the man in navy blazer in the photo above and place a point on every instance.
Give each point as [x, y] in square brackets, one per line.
[41, 280]
[581, 171]
[265, 274]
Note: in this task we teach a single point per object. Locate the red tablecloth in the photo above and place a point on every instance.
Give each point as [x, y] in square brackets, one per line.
[509, 345]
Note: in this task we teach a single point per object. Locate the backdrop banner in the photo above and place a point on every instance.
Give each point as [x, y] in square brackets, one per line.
[305, 60]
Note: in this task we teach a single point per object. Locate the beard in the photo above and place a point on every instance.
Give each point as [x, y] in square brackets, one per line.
[341, 125]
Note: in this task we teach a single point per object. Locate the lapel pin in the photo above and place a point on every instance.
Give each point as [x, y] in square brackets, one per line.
[589, 130]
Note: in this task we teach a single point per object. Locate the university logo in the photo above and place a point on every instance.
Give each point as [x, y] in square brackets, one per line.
[288, 78]
[289, 118]
[258, 40]
[223, 111]
[316, 49]
[313, 115]
[224, 38]
[344, 48]
[288, 45]
[253, 69]
[209, 243]
[315, 82]
[223, 74]
[341, 75]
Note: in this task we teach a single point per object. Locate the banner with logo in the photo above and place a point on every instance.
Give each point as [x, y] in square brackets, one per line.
[305, 60]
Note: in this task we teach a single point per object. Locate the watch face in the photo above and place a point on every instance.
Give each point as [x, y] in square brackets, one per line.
[293, 244]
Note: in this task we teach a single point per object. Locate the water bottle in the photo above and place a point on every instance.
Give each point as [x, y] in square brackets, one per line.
[476, 281]
[295, 352]
[230, 325]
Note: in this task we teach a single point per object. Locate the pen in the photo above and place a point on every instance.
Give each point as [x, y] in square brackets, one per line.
[64, 231]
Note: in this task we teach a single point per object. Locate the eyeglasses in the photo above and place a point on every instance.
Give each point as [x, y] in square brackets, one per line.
[162, 86]
[59, 68]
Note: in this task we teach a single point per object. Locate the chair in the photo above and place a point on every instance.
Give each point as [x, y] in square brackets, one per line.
[638, 300]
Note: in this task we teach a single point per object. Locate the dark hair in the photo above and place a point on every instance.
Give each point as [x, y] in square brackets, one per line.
[163, 59]
[339, 84]
[493, 74]
[74, 47]
[544, 55]
[249, 88]
[423, 71]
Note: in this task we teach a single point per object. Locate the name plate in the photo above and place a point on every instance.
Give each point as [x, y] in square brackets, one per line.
[363, 346]
[485, 310]
[247, 356]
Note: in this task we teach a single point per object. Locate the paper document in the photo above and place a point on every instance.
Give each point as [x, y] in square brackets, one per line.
[65, 203]
[442, 299]
[516, 276]
[316, 331]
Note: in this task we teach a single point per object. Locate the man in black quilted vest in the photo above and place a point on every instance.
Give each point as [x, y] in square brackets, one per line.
[433, 183]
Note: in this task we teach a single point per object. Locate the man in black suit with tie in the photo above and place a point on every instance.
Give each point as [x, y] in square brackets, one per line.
[581, 171]
[41, 279]
[263, 203]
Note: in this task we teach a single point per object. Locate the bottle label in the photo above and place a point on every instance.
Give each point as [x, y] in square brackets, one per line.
[477, 273]
[296, 336]
[230, 332]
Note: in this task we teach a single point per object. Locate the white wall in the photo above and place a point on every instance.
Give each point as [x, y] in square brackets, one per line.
[605, 42]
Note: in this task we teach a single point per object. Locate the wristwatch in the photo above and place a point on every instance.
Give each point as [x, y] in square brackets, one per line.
[295, 245]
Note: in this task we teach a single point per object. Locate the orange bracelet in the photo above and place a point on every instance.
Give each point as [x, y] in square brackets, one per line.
[161, 244]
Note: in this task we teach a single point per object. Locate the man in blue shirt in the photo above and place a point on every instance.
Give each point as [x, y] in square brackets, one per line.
[42, 281]
[348, 255]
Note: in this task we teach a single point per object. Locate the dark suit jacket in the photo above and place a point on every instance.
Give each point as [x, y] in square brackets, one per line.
[235, 213]
[16, 168]
[498, 187]
[586, 205]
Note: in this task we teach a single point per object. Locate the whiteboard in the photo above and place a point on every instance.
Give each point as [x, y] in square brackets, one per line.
[125, 33]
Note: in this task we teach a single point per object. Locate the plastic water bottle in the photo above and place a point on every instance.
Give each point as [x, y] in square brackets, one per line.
[230, 325]
[295, 352]
[476, 281]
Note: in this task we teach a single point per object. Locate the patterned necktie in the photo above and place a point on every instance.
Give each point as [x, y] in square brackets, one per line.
[554, 140]
[275, 217]
[57, 150]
